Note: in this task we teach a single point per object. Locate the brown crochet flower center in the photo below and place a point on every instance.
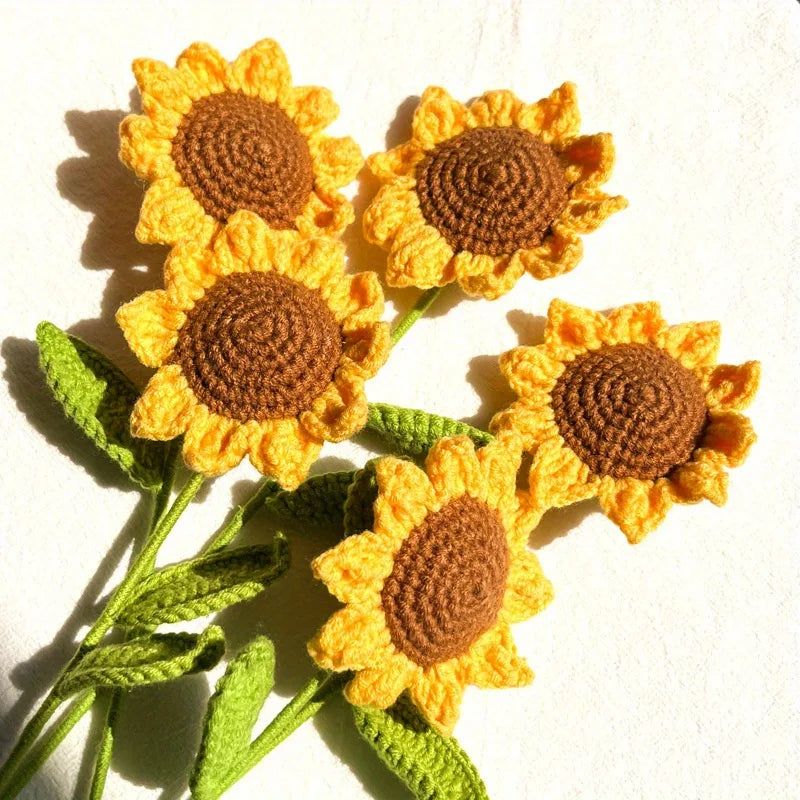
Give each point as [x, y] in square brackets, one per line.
[492, 190]
[259, 346]
[629, 411]
[237, 152]
[448, 582]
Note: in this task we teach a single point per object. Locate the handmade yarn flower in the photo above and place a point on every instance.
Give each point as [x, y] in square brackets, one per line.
[432, 589]
[262, 345]
[484, 192]
[218, 137]
[627, 409]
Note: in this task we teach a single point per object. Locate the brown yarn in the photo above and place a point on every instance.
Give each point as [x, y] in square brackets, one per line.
[448, 582]
[237, 152]
[492, 190]
[629, 411]
[258, 346]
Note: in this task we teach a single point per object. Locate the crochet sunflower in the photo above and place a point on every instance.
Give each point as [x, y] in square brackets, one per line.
[484, 192]
[216, 138]
[432, 589]
[627, 409]
[262, 346]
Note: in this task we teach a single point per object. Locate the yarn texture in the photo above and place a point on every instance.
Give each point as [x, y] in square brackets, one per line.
[217, 138]
[627, 409]
[432, 588]
[262, 345]
[482, 193]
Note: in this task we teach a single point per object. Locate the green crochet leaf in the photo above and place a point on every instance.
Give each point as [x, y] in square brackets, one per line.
[99, 399]
[148, 659]
[207, 584]
[413, 433]
[358, 507]
[232, 713]
[433, 767]
[318, 500]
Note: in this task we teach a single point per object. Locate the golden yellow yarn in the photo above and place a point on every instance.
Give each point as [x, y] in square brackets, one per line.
[558, 476]
[358, 636]
[170, 211]
[283, 448]
[419, 255]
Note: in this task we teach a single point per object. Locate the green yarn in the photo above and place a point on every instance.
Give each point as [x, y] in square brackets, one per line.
[204, 585]
[99, 399]
[412, 433]
[358, 507]
[147, 659]
[433, 767]
[232, 713]
[318, 500]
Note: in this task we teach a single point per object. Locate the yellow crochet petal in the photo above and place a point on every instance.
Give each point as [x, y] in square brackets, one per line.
[494, 663]
[313, 262]
[589, 161]
[283, 449]
[528, 591]
[204, 70]
[354, 638]
[438, 117]
[729, 434]
[527, 517]
[405, 496]
[498, 108]
[397, 162]
[188, 272]
[729, 387]
[336, 161]
[339, 412]
[395, 205]
[262, 71]
[355, 300]
[636, 506]
[419, 256]
[367, 346]
[586, 213]
[499, 461]
[327, 213]
[575, 327]
[694, 344]
[531, 418]
[453, 469]
[171, 213]
[165, 95]
[702, 478]
[560, 252]
[150, 324]
[467, 265]
[530, 369]
[437, 693]
[213, 444]
[166, 406]
[354, 570]
[311, 108]
[637, 322]
[555, 118]
[501, 275]
[558, 477]
[143, 150]
[379, 687]
[247, 244]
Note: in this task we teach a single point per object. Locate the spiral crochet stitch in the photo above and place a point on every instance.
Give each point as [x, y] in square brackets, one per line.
[238, 152]
[258, 346]
[629, 410]
[492, 190]
[448, 582]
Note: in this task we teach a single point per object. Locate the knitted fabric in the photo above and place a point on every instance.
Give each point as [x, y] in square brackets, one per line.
[432, 589]
[319, 499]
[263, 346]
[482, 193]
[217, 138]
[627, 409]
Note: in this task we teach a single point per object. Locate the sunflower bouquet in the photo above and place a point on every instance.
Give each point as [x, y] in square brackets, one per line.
[263, 344]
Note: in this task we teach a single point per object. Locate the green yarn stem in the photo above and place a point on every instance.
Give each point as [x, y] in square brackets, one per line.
[305, 704]
[424, 302]
[243, 514]
[48, 746]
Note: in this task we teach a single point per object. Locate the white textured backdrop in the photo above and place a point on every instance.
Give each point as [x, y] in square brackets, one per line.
[664, 670]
